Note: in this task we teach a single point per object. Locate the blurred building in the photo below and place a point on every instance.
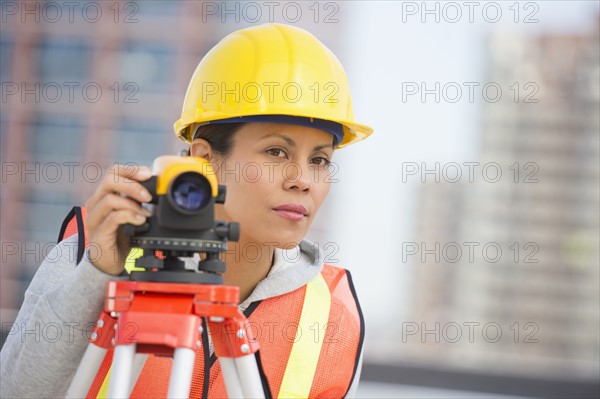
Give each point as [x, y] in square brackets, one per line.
[77, 97]
[531, 309]
[85, 85]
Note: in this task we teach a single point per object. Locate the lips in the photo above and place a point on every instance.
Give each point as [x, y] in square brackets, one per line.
[294, 212]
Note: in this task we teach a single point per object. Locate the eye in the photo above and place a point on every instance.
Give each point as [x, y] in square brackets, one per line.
[277, 152]
[321, 161]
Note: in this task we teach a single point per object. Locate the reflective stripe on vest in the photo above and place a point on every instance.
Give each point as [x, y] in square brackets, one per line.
[305, 353]
[103, 392]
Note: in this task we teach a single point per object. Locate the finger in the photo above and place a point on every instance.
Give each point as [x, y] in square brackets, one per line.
[111, 203]
[122, 178]
[116, 175]
[110, 250]
[132, 189]
[109, 226]
[129, 171]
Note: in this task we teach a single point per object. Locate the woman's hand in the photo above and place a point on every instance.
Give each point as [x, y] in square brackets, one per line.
[113, 204]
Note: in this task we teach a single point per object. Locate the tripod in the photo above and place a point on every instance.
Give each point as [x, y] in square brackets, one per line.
[167, 319]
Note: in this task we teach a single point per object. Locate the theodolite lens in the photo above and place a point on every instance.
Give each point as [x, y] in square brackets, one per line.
[190, 191]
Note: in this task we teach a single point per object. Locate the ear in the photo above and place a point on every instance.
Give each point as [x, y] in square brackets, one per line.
[201, 148]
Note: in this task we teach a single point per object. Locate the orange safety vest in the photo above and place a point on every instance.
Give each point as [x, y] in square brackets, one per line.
[310, 339]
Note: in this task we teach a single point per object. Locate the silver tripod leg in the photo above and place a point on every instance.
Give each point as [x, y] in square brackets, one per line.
[241, 377]
[181, 374]
[88, 369]
[231, 378]
[86, 372]
[120, 376]
[249, 377]
[138, 364]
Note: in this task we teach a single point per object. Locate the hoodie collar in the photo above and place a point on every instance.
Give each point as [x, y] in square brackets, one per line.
[291, 269]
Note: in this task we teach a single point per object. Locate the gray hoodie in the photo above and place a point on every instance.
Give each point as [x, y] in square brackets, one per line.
[64, 299]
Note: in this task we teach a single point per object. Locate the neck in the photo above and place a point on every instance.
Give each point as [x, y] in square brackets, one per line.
[248, 262]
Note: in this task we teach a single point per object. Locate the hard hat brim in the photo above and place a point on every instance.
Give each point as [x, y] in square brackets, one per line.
[352, 132]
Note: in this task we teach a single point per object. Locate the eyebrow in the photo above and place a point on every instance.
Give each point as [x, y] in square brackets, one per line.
[292, 143]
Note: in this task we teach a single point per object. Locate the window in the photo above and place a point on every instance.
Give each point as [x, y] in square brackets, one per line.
[149, 66]
[152, 8]
[57, 137]
[64, 60]
[3, 132]
[140, 142]
[5, 59]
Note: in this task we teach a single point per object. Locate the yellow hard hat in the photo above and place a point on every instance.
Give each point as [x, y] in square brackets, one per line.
[271, 70]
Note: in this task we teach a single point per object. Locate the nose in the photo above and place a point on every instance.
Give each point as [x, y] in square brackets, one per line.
[296, 177]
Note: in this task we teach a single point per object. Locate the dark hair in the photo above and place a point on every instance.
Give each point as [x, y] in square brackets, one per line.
[219, 136]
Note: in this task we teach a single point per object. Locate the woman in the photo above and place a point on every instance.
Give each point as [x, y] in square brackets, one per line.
[266, 107]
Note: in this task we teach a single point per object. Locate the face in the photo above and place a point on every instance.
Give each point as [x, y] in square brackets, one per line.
[277, 177]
